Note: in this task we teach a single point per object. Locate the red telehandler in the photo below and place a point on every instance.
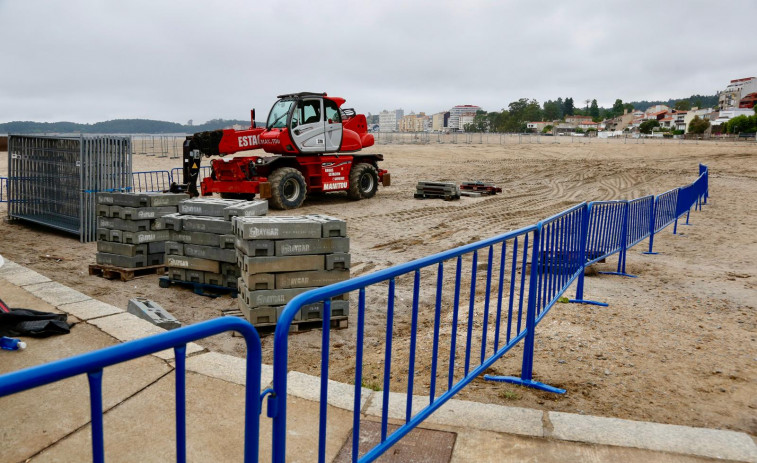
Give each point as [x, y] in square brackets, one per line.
[312, 143]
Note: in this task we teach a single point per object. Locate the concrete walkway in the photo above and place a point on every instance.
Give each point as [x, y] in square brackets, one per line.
[51, 423]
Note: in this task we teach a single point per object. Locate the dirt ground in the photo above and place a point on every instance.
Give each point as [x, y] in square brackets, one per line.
[676, 345]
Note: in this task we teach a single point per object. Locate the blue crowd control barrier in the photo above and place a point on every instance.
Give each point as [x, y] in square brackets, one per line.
[663, 214]
[154, 180]
[491, 324]
[92, 363]
[3, 189]
[640, 213]
[177, 174]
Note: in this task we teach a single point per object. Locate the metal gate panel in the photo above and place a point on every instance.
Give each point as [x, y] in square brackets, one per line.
[53, 181]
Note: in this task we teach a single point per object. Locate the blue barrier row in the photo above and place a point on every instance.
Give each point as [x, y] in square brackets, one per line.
[488, 296]
[503, 307]
[160, 180]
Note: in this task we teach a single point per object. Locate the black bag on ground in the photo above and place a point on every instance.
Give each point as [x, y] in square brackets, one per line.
[28, 322]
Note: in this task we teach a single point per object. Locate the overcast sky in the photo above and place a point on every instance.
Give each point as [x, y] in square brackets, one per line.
[88, 61]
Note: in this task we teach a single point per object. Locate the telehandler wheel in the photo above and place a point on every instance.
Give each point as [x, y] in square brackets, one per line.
[363, 181]
[288, 188]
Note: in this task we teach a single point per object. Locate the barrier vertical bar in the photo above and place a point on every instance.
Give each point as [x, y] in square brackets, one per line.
[486, 303]
[499, 296]
[471, 306]
[95, 379]
[413, 339]
[358, 374]
[323, 405]
[387, 360]
[437, 323]
[180, 353]
[453, 337]
[526, 374]
[652, 220]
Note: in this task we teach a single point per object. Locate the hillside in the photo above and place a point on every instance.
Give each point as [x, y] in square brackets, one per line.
[146, 126]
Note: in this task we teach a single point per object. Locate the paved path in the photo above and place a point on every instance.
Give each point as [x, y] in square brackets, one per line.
[51, 423]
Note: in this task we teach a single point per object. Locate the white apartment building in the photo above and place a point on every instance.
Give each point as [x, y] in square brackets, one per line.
[469, 111]
[387, 121]
[730, 97]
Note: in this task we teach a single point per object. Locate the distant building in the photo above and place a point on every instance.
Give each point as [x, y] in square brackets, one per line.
[439, 121]
[399, 114]
[469, 111]
[414, 123]
[576, 119]
[748, 101]
[538, 126]
[387, 121]
[730, 98]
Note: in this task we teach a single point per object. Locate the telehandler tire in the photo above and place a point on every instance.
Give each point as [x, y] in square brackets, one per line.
[288, 188]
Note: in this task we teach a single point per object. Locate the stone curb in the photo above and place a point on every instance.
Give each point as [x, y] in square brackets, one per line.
[686, 440]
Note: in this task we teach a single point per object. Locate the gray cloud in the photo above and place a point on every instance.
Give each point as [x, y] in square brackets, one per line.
[87, 61]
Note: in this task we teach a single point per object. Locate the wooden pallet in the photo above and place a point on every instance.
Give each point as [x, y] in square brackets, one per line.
[299, 326]
[112, 272]
[481, 187]
[201, 289]
[447, 191]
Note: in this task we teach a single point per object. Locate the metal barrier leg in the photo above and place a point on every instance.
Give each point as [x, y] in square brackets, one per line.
[526, 374]
[580, 283]
[651, 228]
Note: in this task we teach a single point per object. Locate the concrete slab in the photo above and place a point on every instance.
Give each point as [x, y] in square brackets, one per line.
[55, 293]
[127, 327]
[227, 368]
[37, 418]
[340, 395]
[709, 443]
[463, 414]
[89, 309]
[397, 404]
[490, 417]
[487, 447]
[215, 427]
[19, 275]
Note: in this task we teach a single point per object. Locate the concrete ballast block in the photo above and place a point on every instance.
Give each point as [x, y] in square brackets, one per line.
[153, 313]
[315, 278]
[193, 263]
[251, 265]
[311, 246]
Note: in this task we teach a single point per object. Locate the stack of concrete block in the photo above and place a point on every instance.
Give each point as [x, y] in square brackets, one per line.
[127, 236]
[281, 257]
[201, 247]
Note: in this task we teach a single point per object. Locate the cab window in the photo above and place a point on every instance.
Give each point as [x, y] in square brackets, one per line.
[310, 111]
[332, 112]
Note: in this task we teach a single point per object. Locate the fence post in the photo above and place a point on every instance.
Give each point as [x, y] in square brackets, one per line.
[653, 219]
[580, 283]
[526, 373]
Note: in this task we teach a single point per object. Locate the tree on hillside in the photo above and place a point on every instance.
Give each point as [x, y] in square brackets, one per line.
[617, 108]
[629, 107]
[551, 110]
[647, 126]
[682, 105]
[594, 110]
[568, 108]
[698, 125]
[561, 107]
